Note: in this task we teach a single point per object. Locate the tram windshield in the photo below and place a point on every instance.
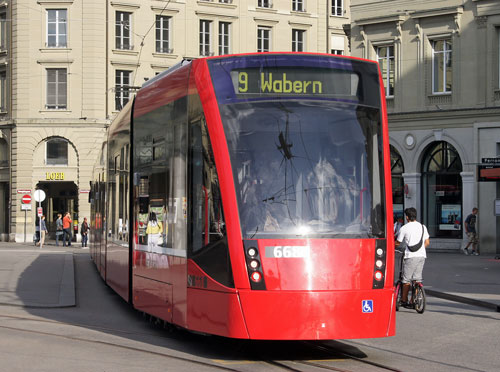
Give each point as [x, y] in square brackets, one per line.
[304, 134]
[306, 168]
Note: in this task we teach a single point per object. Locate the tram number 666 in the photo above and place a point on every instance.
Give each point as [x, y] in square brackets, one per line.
[288, 251]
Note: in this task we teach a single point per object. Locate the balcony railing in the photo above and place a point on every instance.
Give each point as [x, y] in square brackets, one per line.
[164, 50]
[124, 46]
[56, 45]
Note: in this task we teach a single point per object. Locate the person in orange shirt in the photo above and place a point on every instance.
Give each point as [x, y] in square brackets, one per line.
[67, 229]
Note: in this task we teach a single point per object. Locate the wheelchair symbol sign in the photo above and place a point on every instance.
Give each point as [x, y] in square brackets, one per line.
[367, 306]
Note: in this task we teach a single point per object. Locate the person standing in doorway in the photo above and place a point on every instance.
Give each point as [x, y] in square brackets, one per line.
[470, 230]
[59, 228]
[67, 229]
[84, 230]
[43, 231]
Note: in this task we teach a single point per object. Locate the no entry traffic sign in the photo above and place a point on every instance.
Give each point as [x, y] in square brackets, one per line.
[26, 199]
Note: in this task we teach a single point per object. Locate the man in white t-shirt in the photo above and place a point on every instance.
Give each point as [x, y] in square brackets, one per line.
[411, 233]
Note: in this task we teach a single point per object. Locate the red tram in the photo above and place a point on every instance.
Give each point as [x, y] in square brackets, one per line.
[249, 196]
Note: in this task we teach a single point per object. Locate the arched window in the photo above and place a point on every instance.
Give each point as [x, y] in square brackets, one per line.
[397, 170]
[57, 152]
[442, 191]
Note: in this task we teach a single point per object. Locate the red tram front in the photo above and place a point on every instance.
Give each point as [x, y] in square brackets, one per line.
[258, 193]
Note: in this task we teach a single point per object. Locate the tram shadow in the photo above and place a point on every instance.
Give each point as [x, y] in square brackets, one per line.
[99, 309]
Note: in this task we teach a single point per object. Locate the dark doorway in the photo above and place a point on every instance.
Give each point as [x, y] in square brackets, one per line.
[61, 197]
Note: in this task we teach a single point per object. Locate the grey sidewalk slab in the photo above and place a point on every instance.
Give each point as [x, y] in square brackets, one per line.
[474, 280]
[33, 277]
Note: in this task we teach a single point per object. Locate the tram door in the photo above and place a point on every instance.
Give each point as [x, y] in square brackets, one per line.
[61, 197]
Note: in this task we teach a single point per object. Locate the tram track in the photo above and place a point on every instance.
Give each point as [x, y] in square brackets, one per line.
[118, 346]
[278, 363]
[320, 366]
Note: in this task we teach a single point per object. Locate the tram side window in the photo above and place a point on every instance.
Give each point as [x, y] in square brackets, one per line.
[118, 228]
[207, 218]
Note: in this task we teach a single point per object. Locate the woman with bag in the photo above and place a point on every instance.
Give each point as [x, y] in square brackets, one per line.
[153, 231]
[59, 228]
[43, 231]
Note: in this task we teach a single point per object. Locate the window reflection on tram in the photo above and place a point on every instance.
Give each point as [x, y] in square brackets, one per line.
[306, 168]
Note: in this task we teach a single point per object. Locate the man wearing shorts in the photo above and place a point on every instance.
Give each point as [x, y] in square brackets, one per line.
[411, 233]
[470, 229]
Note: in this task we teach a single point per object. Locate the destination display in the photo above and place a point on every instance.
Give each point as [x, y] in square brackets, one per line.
[295, 81]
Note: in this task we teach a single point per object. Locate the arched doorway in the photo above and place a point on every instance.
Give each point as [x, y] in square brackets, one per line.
[442, 191]
[61, 197]
[397, 170]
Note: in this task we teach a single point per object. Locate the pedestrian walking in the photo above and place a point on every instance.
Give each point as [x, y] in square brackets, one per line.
[67, 229]
[84, 230]
[416, 237]
[470, 229]
[59, 228]
[43, 231]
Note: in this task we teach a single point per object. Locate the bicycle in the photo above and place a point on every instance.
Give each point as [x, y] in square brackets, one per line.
[417, 291]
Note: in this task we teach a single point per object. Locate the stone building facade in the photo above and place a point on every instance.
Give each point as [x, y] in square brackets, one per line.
[68, 66]
[441, 66]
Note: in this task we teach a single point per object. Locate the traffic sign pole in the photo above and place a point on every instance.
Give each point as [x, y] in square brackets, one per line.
[39, 197]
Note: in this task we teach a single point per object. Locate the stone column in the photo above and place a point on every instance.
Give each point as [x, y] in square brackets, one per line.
[468, 197]
[413, 197]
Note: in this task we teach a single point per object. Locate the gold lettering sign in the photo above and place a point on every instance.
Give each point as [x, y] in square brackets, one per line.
[54, 176]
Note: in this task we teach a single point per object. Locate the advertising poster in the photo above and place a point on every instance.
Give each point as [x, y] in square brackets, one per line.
[451, 217]
[398, 211]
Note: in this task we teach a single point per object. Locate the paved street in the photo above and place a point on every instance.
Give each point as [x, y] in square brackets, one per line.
[40, 330]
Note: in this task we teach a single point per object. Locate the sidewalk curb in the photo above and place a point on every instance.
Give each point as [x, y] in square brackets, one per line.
[461, 299]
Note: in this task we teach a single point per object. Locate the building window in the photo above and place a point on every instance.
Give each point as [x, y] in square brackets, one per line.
[56, 28]
[205, 38]
[441, 66]
[298, 5]
[224, 37]
[337, 44]
[397, 170]
[3, 91]
[337, 8]
[442, 191]
[263, 39]
[298, 40]
[264, 3]
[56, 152]
[122, 88]
[498, 56]
[57, 87]
[385, 58]
[123, 30]
[163, 34]
[3, 31]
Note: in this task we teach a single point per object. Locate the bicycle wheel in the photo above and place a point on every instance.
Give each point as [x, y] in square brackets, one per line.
[419, 299]
[399, 292]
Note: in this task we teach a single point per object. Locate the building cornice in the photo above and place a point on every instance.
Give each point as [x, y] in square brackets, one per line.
[437, 12]
[378, 20]
[443, 114]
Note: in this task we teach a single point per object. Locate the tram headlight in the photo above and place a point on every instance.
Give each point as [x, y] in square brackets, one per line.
[380, 252]
[379, 263]
[254, 264]
[252, 252]
[256, 276]
[378, 275]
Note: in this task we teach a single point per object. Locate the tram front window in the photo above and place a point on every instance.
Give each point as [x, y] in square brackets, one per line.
[306, 168]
